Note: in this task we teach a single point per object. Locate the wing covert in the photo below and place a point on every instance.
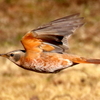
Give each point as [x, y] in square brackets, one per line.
[54, 35]
[56, 32]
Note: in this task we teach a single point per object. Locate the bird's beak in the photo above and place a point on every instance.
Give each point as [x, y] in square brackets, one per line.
[4, 55]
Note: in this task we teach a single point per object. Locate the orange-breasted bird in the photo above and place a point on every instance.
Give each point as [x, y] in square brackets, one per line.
[45, 47]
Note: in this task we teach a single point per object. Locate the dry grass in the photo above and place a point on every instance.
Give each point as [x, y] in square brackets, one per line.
[81, 82]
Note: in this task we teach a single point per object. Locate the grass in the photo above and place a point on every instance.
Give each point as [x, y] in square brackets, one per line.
[81, 82]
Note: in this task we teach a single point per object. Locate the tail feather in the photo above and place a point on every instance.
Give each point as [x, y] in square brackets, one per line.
[84, 60]
[77, 59]
[94, 61]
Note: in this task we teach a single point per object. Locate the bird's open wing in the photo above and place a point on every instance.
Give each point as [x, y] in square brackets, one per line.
[56, 32]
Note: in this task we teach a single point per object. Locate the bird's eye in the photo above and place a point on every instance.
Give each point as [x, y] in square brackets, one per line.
[11, 55]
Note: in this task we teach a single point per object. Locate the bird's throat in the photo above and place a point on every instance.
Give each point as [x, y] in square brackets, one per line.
[33, 53]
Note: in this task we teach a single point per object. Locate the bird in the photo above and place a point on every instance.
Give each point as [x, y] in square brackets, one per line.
[46, 47]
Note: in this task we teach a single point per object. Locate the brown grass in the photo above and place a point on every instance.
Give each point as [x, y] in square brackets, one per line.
[81, 82]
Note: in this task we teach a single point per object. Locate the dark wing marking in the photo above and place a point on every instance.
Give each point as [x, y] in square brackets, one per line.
[56, 32]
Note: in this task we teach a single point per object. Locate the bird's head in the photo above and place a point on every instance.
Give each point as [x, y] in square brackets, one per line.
[14, 56]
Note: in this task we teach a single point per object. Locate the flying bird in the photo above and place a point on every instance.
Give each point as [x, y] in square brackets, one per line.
[45, 47]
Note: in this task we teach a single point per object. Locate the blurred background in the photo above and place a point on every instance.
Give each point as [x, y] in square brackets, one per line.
[81, 82]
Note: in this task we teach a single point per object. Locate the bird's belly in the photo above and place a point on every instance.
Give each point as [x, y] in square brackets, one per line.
[48, 65]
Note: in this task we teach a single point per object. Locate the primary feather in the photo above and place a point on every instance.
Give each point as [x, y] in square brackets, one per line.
[56, 32]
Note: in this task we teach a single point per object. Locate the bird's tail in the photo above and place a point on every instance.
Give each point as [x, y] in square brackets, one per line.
[77, 59]
[94, 61]
[85, 60]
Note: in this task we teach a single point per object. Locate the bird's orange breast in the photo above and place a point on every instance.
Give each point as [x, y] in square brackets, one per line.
[46, 63]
